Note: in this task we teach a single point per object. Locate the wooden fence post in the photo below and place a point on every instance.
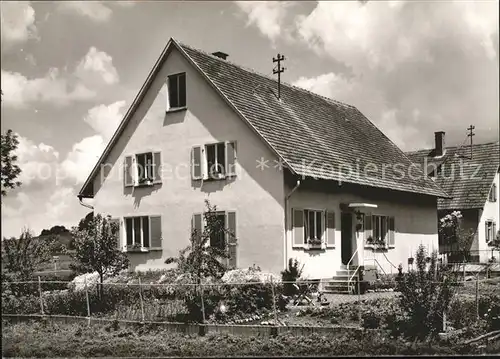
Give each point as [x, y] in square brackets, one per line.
[40, 292]
[477, 296]
[142, 302]
[87, 298]
[274, 303]
[202, 300]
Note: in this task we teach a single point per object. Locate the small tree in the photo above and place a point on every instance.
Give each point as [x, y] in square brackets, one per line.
[96, 249]
[426, 293]
[199, 259]
[24, 255]
[455, 237]
[9, 171]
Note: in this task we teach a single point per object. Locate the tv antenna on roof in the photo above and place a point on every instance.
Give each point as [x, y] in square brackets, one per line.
[470, 128]
[278, 71]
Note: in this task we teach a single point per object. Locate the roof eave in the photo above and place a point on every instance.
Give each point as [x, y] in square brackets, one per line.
[84, 191]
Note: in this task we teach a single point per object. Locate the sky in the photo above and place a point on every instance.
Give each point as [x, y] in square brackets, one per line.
[69, 71]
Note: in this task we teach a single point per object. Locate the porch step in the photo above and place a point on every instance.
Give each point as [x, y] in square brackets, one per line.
[351, 267]
[345, 272]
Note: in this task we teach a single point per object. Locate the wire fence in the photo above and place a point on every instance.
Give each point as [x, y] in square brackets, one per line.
[269, 303]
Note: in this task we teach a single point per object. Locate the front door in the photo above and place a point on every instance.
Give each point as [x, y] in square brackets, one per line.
[346, 237]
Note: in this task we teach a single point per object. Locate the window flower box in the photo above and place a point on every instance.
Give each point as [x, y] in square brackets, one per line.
[145, 182]
[375, 243]
[136, 248]
[315, 244]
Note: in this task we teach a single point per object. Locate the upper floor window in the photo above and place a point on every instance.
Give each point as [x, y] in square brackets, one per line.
[213, 161]
[176, 85]
[216, 159]
[142, 169]
[490, 232]
[492, 197]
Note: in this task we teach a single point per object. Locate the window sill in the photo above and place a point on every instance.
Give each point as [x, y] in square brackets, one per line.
[136, 250]
[315, 247]
[374, 247]
[176, 109]
[146, 184]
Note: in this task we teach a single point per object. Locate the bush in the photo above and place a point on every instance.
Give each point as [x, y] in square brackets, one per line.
[370, 320]
[291, 274]
[425, 295]
[238, 300]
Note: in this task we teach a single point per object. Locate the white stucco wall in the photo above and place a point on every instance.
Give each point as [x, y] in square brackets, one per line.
[415, 224]
[491, 211]
[257, 196]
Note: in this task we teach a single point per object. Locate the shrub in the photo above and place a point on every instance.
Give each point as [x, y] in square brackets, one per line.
[291, 274]
[370, 320]
[462, 313]
[425, 295]
[239, 301]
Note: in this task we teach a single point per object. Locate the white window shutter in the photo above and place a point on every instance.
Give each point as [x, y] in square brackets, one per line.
[230, 165]
[135, 172]
[196, 163]
[157, 167]
[330, 229]
[127, 171]
[155, 232]
[298, 228]
[392, 231]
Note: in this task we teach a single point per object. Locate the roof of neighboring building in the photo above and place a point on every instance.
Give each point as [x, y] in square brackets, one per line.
[467, 181]
[314, 136]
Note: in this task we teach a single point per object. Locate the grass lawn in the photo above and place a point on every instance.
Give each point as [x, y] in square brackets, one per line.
[33, 339]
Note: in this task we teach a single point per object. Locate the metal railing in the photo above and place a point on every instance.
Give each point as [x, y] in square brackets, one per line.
[350, 278]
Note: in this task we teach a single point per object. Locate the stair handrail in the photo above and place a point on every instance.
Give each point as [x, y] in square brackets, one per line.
[376, 261]
[348, 271]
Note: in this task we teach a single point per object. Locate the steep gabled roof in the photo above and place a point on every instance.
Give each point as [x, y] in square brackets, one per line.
[314, 136]
[467, 181]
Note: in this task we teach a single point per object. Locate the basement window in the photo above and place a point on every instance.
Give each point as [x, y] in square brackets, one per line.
[176, 91]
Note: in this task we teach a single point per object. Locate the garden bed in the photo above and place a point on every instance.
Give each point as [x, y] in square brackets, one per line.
[72, 340]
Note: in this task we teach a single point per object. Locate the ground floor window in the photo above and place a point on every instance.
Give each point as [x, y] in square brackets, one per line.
[490, 231]
[380, 228]
[313, 225]
[137, 231]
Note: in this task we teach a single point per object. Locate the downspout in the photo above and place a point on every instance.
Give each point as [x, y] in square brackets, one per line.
[287, 197]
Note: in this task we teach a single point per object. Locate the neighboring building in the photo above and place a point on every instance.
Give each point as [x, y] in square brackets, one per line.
[473, 185]
[196, 110]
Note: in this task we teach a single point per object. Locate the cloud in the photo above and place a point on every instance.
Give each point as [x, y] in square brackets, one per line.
[414, 67]
[95, 67]
[104, 119]
[94, 10]
[18, 22]
[93, 72]
[37, 162]
[81, 159]
[125, 3]
[42, 209]
[53, 88]
[268, 16]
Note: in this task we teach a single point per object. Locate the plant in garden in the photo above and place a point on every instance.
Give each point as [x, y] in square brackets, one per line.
[22, 256]
[426, 293]
[199, 258]
[96, 249]
[10, 170]
[290, 275]
[454, 236]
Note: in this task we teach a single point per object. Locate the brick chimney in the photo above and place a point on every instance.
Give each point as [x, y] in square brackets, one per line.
[439, 143]
[220, 54]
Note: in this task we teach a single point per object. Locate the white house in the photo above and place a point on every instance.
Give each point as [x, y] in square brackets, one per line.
[300, 176]
[471, 176]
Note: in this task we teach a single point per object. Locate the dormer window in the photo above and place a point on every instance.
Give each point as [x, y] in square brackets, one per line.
[176, 85]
